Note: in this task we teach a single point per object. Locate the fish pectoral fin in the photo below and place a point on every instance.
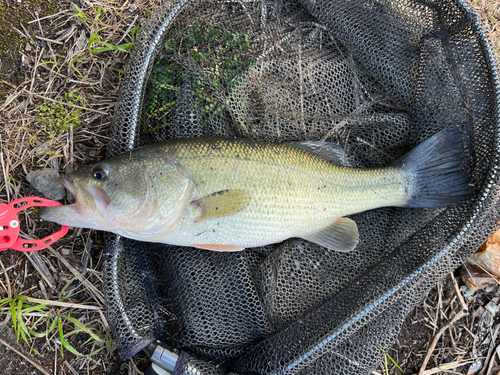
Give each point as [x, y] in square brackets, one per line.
[221, 203]
[341, 235]
[215, 247]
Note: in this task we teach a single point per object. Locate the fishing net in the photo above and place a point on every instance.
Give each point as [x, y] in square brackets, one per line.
[375, 76]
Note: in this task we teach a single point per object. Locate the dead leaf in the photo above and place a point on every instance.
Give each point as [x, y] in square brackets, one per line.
[483, 268]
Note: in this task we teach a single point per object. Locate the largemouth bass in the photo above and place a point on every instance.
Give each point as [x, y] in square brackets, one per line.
[229, 194]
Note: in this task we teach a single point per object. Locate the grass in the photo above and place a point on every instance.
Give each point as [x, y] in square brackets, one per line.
[22, 309]
[57, 114]
[57, 118]
[489, 13]
[98, 42]
[393, 361]
[79, 13]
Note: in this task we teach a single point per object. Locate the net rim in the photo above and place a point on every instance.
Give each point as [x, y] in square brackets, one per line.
[476, 210]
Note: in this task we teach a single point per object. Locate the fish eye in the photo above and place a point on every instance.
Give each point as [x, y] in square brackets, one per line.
[100, 173]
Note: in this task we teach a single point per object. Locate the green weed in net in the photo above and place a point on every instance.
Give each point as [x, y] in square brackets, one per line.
[220, 58]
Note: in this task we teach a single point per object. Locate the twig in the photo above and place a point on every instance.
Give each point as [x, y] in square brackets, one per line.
[469, 332]
[458, 293]
[3, 285]
[135, 367]
[49, 40]
[42, 288]
[6, 180]
[104, 321]
[436, 338]
[91, 288]
[55, 358]
[453, 344]
[490, 350]
[38, 367]
[86, 255]
[21, 33]
[27, 33]
[492, 361]
[493, 277]
[62, 304]
[8, 84]
[128, 30]
[33, 78]
[37, 264]
[445, 366]
[63, 103]
[36, 315]
[43, 18]
[95, 134]
[9, 290]
[8, 269]
[70, 368]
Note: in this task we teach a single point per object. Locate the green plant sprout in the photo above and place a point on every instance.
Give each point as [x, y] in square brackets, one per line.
[5, 184]
[393, 361]
[56, 118]
[72, 63]
[45, 63]
[79, 13]
[98, 15]
[20, 307]
[386, 355]
[126, 47]
[95, 45]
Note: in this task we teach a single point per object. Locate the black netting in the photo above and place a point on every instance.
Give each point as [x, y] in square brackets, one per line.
[377, 77]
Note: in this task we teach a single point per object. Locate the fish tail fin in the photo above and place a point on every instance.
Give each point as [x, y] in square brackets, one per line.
[437, 171]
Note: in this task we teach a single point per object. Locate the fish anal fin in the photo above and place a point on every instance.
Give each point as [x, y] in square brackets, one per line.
[341, 235]
[216, 247]
[221, 203]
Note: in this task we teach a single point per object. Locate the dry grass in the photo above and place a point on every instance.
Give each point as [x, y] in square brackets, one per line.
[72, 62]
[448, 333]
[65, 54]
[489, 13]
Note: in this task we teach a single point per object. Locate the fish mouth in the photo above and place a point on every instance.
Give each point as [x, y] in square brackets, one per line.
[64, 215]
[86, 212]
[67, 182]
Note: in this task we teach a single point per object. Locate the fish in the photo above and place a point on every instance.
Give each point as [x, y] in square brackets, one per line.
[225, 194]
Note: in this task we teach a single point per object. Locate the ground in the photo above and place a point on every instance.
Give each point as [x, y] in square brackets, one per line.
[65, 60]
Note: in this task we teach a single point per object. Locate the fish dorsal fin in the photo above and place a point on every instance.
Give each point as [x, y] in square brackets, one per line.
[327, 150]
[221, 203]
[341, 235]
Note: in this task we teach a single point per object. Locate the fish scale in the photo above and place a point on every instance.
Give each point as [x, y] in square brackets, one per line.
[294, 192]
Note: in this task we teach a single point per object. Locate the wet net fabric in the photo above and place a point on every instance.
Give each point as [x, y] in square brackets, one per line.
[376, 77]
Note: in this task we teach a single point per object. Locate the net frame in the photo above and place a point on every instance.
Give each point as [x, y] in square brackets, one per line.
[350, 330]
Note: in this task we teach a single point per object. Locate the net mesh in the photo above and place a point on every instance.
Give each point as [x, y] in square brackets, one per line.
[376, 77]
